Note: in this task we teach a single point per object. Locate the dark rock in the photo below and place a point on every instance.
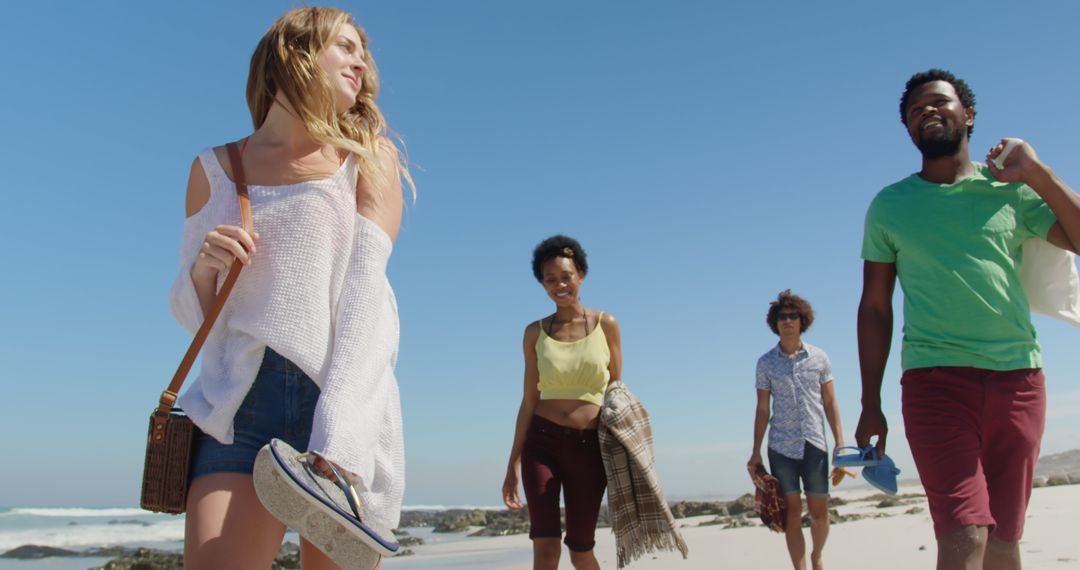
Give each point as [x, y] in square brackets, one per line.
[836, 502]
[683, 509]
[457, 520]
[1059, 463]
[34, 552]
[494, 522]
[741, 505]
[30, 552]
[718, 520]
[407, 540]
[882, 496]
[739, 522]
[730, 521]
[107, 552]
[1055, 480]
[288, 557]
[503, 523]
[889, 502]
[419, 518]
[131, 521]
[406, 552]
[914, 510]
[146, 559]
[834, 518]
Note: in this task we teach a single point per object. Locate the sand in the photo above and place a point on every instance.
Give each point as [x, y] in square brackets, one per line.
[899, 541]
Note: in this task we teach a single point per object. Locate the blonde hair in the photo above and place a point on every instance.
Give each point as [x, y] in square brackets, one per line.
[286, 62]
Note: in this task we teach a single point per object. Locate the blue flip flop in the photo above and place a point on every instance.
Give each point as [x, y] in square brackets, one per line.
[883, 475]
[326, 513]
[862, 457]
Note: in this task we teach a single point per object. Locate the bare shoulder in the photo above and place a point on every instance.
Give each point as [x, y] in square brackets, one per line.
[532, 331]
[378, 197]
[388, 154]
[198, 188]
[388, 178]
[609, 322]
[528, 342]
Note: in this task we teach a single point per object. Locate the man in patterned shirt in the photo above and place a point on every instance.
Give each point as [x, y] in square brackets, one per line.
[797, 377]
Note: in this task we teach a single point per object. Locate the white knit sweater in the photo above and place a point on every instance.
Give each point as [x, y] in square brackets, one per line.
[317, 293]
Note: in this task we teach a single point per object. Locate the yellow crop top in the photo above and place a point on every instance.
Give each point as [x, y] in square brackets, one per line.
[576, 370]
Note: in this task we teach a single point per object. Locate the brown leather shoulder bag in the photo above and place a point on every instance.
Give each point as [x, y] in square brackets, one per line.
[171, 434]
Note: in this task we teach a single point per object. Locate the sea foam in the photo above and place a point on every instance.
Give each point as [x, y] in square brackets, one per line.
[80, 537]
[76, 512]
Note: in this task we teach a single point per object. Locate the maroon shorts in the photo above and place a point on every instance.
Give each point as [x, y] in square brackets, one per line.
[558, 458]
[975, 436]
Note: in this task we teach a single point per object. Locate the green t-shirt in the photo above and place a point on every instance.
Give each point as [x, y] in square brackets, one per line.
[957, 253]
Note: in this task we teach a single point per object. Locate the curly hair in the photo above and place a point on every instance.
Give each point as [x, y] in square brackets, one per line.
[787, 300]
[967, 96]
[558, 246]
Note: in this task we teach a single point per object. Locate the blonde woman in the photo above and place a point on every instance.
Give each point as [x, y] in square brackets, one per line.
[304, 349]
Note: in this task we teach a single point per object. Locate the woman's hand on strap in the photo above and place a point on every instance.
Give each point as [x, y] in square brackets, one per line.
[223, 245]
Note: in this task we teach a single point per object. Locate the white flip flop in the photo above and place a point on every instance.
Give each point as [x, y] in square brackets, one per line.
[326, 513]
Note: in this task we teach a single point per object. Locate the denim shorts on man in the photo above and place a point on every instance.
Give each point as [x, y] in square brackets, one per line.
[813, 469]
[281, 403]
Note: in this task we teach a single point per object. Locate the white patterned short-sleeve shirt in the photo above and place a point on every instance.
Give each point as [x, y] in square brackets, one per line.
[794, 383]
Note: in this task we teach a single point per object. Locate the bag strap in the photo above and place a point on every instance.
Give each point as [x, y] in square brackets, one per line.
[168, 397]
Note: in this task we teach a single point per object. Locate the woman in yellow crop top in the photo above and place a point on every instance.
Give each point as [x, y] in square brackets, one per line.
[571, 357]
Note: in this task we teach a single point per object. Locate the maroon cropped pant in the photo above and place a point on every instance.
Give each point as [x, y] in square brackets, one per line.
[558, 458]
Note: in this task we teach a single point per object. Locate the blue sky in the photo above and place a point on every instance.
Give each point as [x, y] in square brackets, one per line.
[706, 155]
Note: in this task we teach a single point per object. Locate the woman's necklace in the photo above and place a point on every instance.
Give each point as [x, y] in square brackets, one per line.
[584, 315]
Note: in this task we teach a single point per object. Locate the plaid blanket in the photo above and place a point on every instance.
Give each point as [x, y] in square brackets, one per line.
[770, 505]
[640, 517]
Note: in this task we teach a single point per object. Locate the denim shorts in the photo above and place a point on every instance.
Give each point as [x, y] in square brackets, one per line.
[281, 404]
[813, 469]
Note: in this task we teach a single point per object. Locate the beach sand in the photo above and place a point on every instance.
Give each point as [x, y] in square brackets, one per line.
[898, 541]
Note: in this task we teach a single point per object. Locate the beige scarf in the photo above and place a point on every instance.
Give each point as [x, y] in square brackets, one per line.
[640, 517]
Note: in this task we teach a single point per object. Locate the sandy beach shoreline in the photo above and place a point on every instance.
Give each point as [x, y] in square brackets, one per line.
[898, 537]
[887, 536]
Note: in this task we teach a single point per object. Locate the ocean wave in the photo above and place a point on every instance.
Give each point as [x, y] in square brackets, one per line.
[84, 536]
[76, 512]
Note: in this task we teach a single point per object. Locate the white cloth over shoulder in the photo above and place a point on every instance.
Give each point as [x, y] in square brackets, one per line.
[1050, 280]
[316, 292]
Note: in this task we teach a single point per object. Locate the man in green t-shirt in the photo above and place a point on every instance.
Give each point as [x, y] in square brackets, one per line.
[974, 399]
